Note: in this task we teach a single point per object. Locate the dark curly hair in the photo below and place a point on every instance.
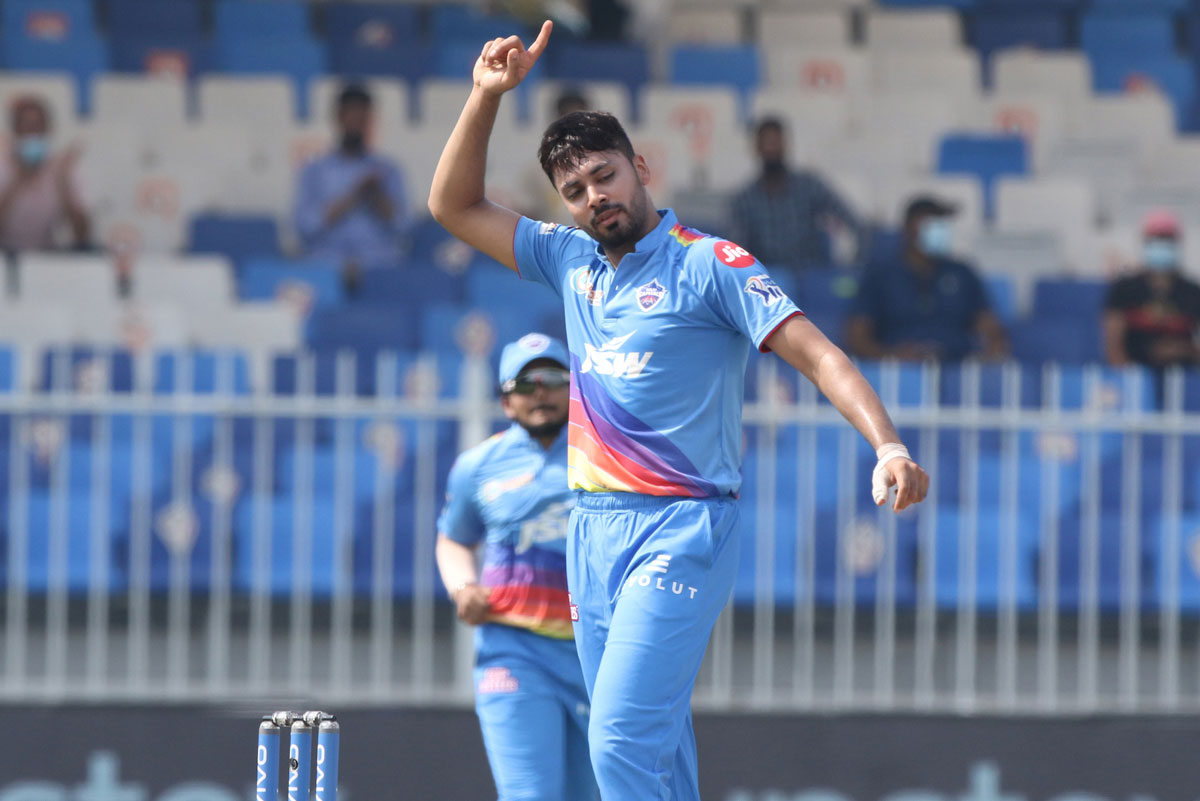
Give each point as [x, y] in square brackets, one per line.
[569, 139]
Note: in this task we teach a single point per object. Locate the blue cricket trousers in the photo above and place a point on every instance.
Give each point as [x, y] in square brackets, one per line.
[648, 577]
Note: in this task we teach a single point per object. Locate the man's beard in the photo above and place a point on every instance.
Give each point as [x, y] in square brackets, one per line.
[550, 429]
[624, 233]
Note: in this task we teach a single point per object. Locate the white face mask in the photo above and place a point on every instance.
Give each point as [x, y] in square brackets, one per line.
[936, 236]
[1160, 254]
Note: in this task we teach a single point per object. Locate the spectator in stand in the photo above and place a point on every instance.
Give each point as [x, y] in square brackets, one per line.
[39, 189]
[1152, 316]
[784, 215]
[922, 305]
[350, 202]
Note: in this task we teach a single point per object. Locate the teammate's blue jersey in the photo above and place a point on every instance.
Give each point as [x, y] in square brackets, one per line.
[658, 353]
[513, 493]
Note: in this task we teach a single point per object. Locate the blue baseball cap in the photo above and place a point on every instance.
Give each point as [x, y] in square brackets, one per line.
[517, 354]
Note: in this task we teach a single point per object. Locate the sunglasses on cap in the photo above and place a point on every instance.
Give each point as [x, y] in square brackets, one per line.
[526, 383]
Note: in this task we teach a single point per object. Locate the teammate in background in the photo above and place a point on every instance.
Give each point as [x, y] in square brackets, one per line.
[511, 493]
[659, 319]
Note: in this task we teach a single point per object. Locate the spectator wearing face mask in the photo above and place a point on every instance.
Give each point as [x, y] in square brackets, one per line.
[784, 216]
[922, 304]
[39, 190]
[1151, 316]
[350, 203]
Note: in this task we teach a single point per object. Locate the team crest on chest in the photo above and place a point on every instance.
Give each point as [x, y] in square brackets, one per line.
[648, 295]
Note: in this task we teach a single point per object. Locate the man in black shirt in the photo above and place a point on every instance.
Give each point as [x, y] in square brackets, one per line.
[1151, 316]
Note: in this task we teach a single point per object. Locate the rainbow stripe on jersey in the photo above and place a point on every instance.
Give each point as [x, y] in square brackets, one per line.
[529, 589]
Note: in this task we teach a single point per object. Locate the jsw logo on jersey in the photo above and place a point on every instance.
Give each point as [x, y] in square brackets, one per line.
[609, 360]
[549, 526]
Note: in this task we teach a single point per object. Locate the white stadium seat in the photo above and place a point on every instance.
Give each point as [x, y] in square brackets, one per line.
[205, 282]
[827, 70]
[1063, 204]
[1061, 72]
[1025, 257]
[704, 26]
[811, 118]
[953, 72]
[248, 101]
[904, 30]
[1039, 117]
[893, 194]
[441, 100]
[149, 101]
[786, 29]
[602, 95]
[65, 278]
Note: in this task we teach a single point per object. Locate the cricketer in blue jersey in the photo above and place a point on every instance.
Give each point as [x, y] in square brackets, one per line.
[660, 320]
[510, 494]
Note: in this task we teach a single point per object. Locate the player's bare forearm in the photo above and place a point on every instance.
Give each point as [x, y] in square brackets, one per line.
[802, 345]
[456, 197]
[456, 563]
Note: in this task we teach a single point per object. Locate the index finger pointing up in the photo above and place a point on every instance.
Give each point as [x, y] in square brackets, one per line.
[543, 38]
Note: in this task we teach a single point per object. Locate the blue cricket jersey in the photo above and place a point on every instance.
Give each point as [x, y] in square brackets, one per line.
[513, 493]
[658, 353]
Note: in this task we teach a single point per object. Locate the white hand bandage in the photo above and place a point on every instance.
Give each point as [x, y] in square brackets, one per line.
[879, 477]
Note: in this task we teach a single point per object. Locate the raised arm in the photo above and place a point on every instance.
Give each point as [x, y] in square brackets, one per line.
[456, 198]
[802, 345]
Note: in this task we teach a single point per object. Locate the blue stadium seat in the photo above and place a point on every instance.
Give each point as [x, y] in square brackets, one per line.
[326, 369]
[466, 23]
[259, 20]
[1122, 70]
[1073, 552]
[1102, 31]
[83, 57]
[162, 17]
[325, 467]
[985, 156]
[86, 369]
[992, 533]
[1168, 6]
[8, 368]
[417, 280]
[1059, 298]
[499, 287]
[266, 278]
[440, 325]
[284, 523]
[995, 28]
[302, 59]
[623, 63]
[1054, 340]
[368, 329]
[730, 65]
[237, 236]
[958, 384]
[67, 515]
[47, 20]
[184, 54]
[412, 62]
[826, 297]
[371, 24]
[1187, 534]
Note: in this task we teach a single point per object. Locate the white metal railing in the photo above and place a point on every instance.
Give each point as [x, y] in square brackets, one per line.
[233, 542]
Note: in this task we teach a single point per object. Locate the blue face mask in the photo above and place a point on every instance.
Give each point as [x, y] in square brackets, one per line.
[936, 236]
[32, 150]
[1160, 255]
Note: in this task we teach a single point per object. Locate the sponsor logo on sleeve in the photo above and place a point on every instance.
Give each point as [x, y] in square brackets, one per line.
[732, 255]
[581, 282]
[547, 228]
[765, 289]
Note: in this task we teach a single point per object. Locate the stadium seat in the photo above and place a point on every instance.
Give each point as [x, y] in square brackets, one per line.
[366, 329]
[1125, 71]
[934, 29]
[1040, 118]
[733, 65]
[203, 282]
[285, 524]
[238, 237]
[1050, 340]
[991, 29]
[201, 371]
[158, 101]
[783, 29]
[160, 18]
[61, 544]
[1108, 549]
[1004, 563]
[420, 279]
[704, 26]
[370, 25]
[811, 118]
[170, 55]
[842, 71]
[319, 282]
[302, 60]
[1064, 73]
[47, 20]
[255, 21]
[246, 101]
[951, 72]
[987, 157]
[465, 23]
[83, 57]
[1062, 204]
[65, 277]
[625, 63]
[1069, 299]
[1103, 31]
[607, 96]
[501, 287]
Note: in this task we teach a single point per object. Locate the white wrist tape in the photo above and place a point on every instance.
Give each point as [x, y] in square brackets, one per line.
[879, 477]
